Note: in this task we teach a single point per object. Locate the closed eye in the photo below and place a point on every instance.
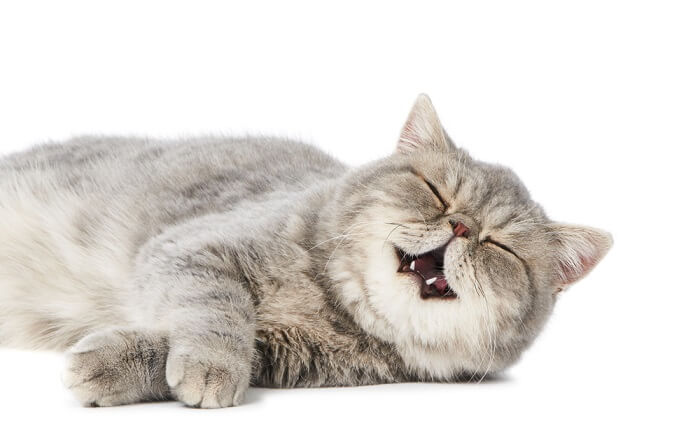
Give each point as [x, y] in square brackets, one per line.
[437, 194]
[501, 246]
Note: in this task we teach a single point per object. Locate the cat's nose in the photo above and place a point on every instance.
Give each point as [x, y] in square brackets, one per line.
[460, 229]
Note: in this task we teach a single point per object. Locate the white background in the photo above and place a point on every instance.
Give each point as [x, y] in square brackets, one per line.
[595, 104]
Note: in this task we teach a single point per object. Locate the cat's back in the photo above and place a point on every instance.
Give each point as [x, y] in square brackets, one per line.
[121, 161]
[136, 187]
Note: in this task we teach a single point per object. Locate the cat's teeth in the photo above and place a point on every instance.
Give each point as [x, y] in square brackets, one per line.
[431, 280]
[413, 265]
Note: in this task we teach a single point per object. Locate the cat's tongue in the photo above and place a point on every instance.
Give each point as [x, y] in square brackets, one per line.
[427, 267]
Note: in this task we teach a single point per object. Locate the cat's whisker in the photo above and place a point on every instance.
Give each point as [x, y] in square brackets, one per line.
[491, 348]
[335, 238]
[332, 254]
[479, 291]
[386, 240]
[422, 216]
[394, 223]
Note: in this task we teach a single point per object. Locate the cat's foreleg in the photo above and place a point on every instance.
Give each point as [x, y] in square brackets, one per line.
[211, 348]
[210, 319]
[192, 334]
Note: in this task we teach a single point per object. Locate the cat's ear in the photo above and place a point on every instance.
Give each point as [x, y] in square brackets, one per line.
[577, 250]
[423, 130]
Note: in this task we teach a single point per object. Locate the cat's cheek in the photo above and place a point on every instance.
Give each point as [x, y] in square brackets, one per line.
[505, 283]
[389, 306]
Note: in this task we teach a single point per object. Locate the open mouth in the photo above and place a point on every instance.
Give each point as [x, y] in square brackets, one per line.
[428, 268]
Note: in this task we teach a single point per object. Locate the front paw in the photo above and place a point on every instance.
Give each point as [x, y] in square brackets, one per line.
[116, 367]
[207, 378]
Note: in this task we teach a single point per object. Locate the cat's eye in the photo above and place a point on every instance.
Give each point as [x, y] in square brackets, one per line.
[500, 245]
[437, 194]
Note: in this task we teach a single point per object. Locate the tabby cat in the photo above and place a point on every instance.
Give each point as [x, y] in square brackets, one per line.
[192, 269]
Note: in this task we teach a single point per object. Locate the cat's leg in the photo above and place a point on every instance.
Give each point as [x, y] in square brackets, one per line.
[194, 289]
[117, 367]
[212, 347]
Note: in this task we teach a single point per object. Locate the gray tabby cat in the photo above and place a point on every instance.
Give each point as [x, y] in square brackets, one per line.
[192, 269]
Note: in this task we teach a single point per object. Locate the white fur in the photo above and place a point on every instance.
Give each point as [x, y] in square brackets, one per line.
[435, 337]
[44, 274]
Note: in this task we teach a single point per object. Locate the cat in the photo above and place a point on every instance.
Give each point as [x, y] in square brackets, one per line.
[192, 269]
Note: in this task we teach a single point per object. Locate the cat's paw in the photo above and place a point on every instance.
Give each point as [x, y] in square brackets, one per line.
[204, 379]
[114, 367]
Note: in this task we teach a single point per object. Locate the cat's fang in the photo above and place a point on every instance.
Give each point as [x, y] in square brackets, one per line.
[428, 267]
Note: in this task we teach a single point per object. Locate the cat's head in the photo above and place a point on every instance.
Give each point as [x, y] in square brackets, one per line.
[449, 258]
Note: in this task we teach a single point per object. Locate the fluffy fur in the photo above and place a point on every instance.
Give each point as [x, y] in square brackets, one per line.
[192, 269]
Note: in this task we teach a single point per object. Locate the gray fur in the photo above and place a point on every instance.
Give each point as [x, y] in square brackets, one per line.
[190, 269]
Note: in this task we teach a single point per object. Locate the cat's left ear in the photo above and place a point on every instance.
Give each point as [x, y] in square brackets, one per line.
[577, 250]
[423, 130]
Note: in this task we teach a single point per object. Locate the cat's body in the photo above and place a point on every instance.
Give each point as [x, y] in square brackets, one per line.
[89, 206]
[193, 268]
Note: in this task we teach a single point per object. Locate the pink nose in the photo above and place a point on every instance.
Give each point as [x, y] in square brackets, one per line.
[460, 229]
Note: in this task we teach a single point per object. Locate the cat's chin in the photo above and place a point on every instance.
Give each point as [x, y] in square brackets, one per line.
[428, 269]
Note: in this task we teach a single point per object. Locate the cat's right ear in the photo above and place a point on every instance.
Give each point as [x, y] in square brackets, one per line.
[423, 130]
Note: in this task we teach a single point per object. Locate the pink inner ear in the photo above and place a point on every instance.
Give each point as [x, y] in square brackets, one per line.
[573, 272]
[409, 138]
[579, 249]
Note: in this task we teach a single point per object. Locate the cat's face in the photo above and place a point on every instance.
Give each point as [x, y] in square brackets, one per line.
[449, 258]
